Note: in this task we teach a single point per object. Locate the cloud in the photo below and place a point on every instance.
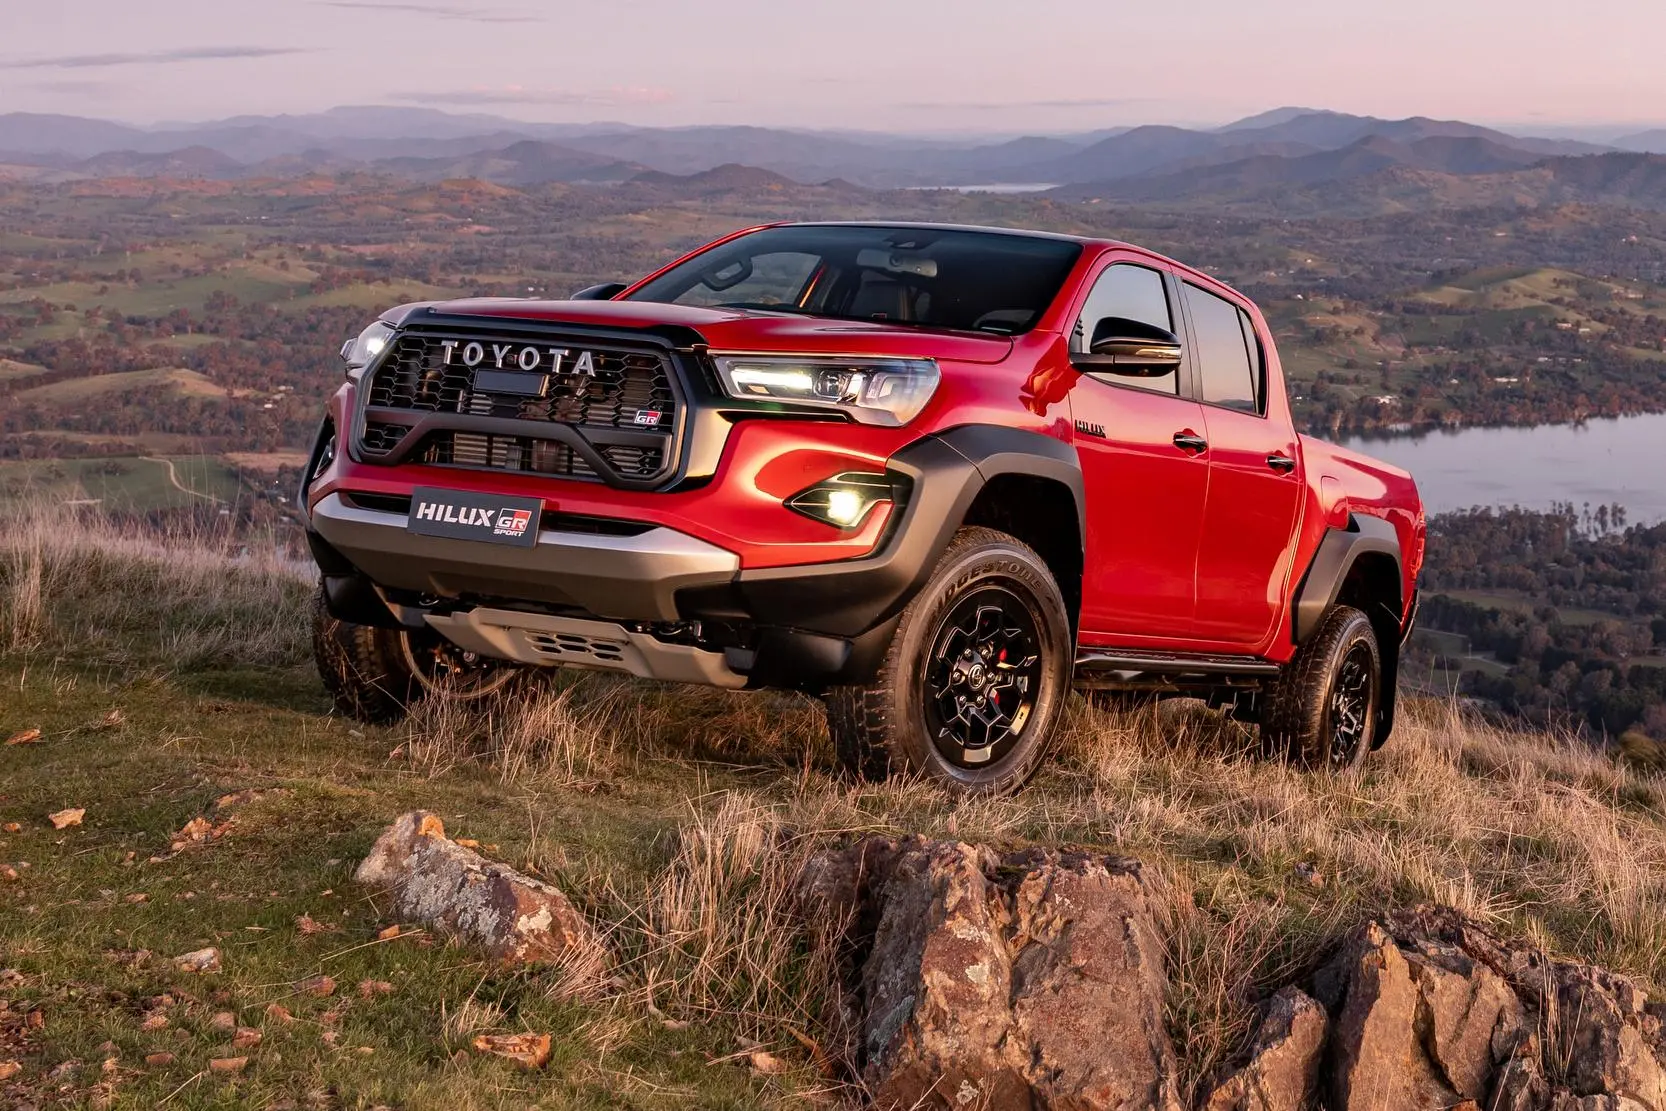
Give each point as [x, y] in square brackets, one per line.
[516, 94]
[439, 11]
[151, 57]
[78, 88]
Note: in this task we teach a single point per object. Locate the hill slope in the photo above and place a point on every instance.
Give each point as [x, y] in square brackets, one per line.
[171, 690]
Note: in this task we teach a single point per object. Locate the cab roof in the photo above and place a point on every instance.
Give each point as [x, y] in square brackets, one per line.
[915, 225]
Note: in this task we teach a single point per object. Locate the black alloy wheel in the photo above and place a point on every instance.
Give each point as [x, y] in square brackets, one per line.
[1353, 704]
[1322, 711]
[982, 677]
[974, 679]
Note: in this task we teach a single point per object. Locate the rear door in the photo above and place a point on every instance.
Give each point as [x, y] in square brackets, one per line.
[1145, 487]
[1255, 487]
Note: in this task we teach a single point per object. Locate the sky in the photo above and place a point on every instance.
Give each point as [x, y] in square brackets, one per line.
[1001, 66]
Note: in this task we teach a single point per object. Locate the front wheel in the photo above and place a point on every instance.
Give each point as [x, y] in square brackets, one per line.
[1322, 711]
[974, 679]
[375, 675]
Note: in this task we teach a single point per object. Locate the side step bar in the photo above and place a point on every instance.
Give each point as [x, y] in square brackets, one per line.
[1126, 665]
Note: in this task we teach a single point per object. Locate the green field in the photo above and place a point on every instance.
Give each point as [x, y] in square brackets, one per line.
[1516, 602]
[15, 372]
[123, 483]
[190, 383]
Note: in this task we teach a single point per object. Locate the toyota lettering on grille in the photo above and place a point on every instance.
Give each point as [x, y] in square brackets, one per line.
[528, 357]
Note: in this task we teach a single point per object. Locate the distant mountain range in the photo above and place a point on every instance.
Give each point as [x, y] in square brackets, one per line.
[1287, 148]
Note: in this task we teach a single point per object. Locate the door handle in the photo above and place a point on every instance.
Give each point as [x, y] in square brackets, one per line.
[1190, 441]
[1283, 464]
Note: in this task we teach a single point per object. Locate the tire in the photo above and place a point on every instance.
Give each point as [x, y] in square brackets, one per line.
[949, 702]
[376, 675]
[1322, 711]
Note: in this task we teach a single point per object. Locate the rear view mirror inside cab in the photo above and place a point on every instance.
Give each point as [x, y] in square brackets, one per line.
[896, 262]
[728, 275]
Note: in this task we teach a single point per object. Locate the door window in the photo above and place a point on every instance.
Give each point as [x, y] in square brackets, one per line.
[1226, 351]
[1133, 293]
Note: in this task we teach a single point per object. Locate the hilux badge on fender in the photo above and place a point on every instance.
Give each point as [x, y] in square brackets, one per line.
[527, 357]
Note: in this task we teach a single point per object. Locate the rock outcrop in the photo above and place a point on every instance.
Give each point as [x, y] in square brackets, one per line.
[1282, 1071]
[1035, 980]
[1430, 1009]
[973, 979]
[456, 892]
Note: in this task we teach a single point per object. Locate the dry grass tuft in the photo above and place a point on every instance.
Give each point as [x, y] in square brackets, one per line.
[534, 734]
[717, 933]
[76, 582]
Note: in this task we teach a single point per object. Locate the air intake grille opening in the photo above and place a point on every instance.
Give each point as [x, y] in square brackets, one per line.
[574, 648]
[426, 403]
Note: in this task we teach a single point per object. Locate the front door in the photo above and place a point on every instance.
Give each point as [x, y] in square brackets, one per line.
[1146, 476]
[1255, 487]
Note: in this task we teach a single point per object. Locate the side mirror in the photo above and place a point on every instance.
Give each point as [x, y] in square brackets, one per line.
[607, 291]
[1131, 348]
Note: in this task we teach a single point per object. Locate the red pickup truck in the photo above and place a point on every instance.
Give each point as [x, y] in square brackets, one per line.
[938, 476]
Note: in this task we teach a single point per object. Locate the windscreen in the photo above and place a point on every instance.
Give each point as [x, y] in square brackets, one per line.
[968, 280]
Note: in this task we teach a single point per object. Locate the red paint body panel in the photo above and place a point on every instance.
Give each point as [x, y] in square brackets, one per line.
[1182, 552]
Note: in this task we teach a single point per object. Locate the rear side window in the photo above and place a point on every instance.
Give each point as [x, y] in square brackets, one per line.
[1133, 293]
[1227, 353]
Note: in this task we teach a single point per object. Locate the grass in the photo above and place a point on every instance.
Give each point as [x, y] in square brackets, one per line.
[13, 372]
[1515, 601]
[74, 391]
[676, 819]
[251, 282]
[130, 483]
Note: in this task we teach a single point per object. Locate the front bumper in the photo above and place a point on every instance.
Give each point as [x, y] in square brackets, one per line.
[806, 626]
[623, 578]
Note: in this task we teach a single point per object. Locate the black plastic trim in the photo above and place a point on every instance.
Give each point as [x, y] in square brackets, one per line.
[948, 471]
[1172, 663]
[1337, 554]
[353, 598]
[348, 594]
[326, 430]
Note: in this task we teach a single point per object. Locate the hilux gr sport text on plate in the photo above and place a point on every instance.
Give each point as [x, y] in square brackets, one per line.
[937, 475]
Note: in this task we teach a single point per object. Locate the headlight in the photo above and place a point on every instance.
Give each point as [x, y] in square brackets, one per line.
[890, 392]
[359, 353]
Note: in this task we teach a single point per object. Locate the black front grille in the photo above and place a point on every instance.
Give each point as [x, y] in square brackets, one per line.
[554, 404]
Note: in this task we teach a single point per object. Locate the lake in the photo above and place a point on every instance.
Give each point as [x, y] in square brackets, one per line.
[1599, 462]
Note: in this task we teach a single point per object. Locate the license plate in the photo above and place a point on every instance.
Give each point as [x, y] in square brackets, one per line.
[465, 515]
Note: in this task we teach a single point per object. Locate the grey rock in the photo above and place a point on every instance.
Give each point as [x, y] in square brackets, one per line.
[456, 892]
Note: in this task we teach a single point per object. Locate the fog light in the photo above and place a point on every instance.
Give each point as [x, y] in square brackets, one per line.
[845, 500]
[845, 507]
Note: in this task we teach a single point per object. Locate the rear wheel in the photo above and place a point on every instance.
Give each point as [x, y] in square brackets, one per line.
[975, 676]
[375, 675]
[1322, 712]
